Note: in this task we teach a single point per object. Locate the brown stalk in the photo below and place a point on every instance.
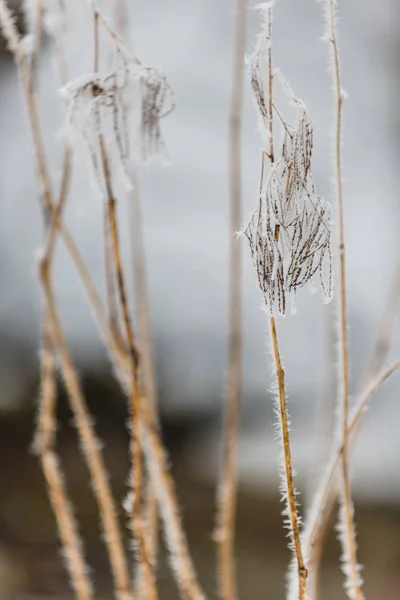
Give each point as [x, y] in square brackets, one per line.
[115, 265]
[90, 448]
[148, 371]
[90, 444]
[45, 438]
[280, 374]
[314, 531]
[346, 500]
[135, 395]
[148, 375]
[376, 363]
[228, 480]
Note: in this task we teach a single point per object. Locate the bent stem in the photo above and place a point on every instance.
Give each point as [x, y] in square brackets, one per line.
[347, 531]
[291, 493]
[227, 487]
[135, 400]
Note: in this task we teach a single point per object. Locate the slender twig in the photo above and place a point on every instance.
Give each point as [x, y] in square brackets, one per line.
[293, 515]
[376, 363]
[228, 481]
[148, 374]
[45, 442]
[280, 374]
[348, 535]
[90, 444]
[45, 437]
[142, 305]
[312, 526]
[112, 300]
[135, 396]
[135, 401]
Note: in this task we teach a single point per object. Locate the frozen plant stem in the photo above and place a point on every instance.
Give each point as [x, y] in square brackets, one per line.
[227, 489]
[136, 446]
[148, 370]
[348, 536]
[89, 441]
[45, 436]
[280, 374]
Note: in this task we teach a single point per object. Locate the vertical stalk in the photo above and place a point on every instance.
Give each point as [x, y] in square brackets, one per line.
[280, 374]
[227, 489]
[135, 397]
[349, 536]
[294, 518]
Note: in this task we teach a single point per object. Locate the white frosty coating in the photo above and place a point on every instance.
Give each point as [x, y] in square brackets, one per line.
[126, 107]
[290, 231]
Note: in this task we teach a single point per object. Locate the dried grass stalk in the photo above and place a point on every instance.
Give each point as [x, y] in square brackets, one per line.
[90, 444]
[228, 479]
[289, 235]
[346, 525]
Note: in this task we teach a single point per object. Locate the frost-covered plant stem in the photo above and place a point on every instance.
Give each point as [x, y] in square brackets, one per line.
[148, 375]
[291, 492]
[320, 507]
[45, 446]
[228, 480]
[135, 397]
[46, 428]
[90, 444]
[142, 304]
[346, 524]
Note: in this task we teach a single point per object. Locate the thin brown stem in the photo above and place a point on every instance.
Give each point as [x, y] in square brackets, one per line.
[349, 535]
[378, 358]
[111, 293]
[163, 483]
[294, 518]
[135, 396]
[280, 374]
[45, 446]
[321, 506]
[45, 438]
[148, 374]
[228, 481]
[90, 448]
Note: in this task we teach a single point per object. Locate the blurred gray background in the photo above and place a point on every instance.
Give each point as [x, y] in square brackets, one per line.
[186, 229]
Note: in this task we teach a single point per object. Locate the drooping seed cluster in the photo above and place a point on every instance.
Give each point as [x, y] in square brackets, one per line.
[131, 100]
[290, 231]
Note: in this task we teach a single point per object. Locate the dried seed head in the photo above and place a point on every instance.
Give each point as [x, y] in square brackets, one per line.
[124, 105]
[290, 231]
[157, 101]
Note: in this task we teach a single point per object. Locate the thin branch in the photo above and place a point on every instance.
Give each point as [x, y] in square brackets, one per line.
[319, 507]
[148, 374]
[135, 396]
[90, 448]
[291, 492]
[228, 480]
[63, 510]
[348, 534]
[376, 364]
